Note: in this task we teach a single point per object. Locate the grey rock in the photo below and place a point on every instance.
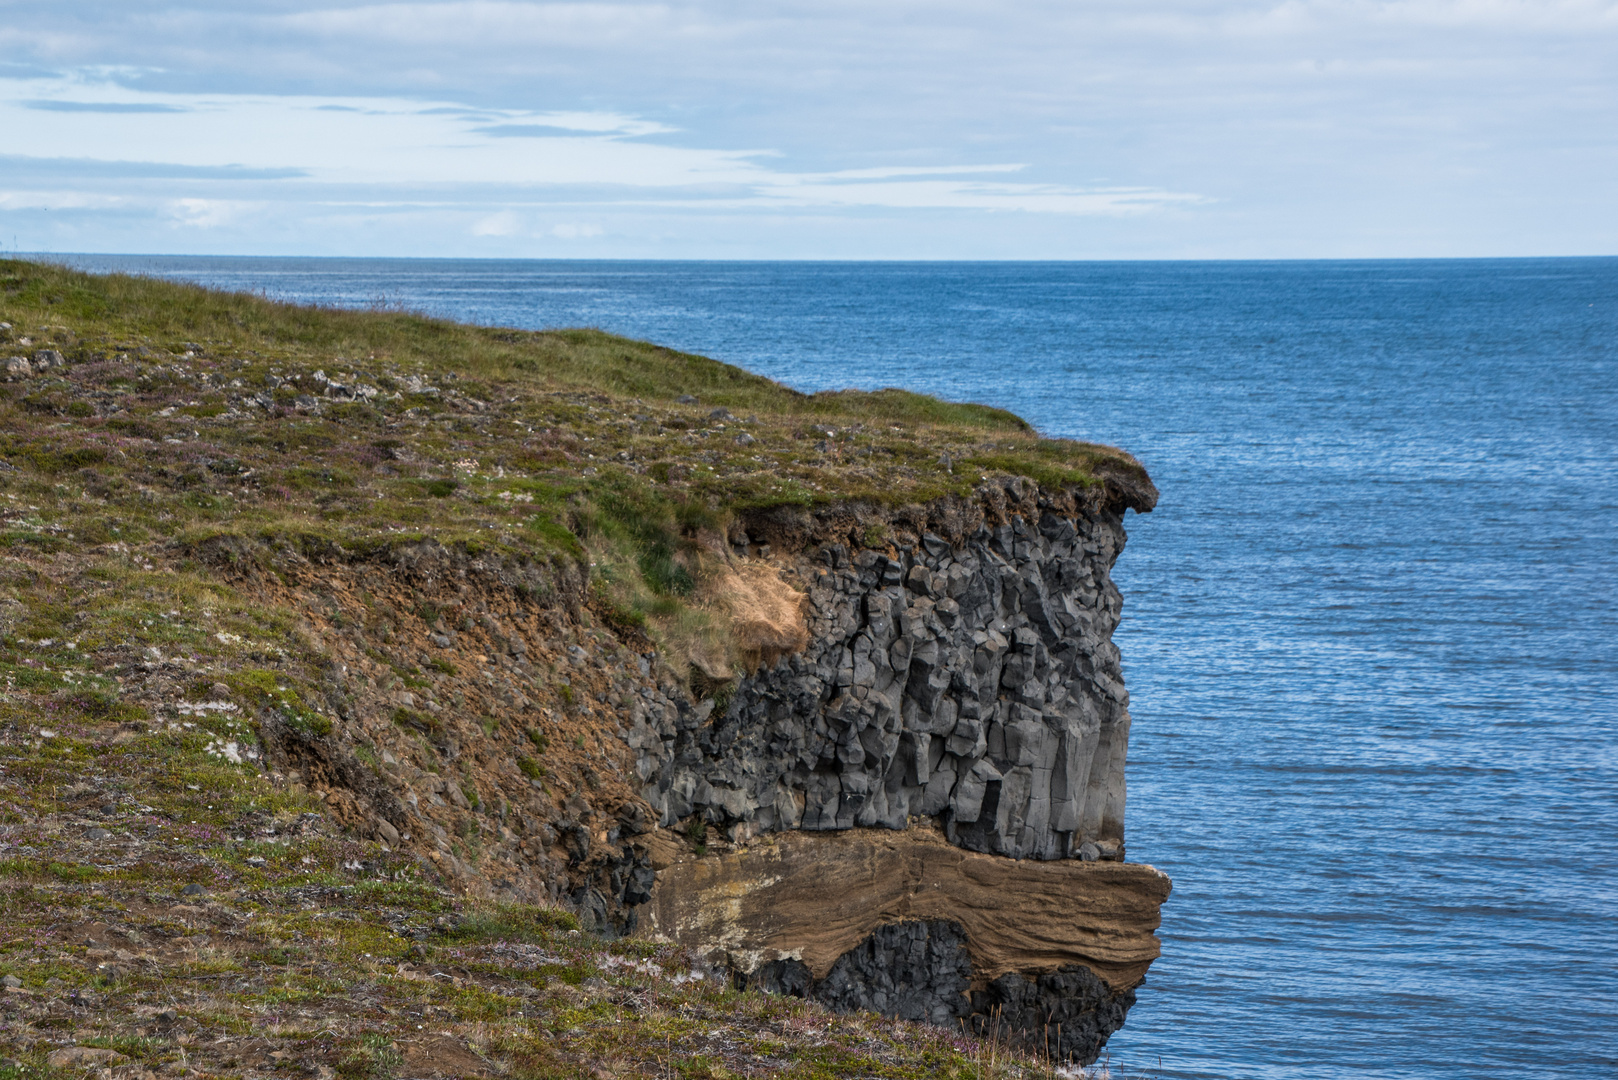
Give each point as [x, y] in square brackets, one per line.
[193, 889]
[922, 971]
[975, 682]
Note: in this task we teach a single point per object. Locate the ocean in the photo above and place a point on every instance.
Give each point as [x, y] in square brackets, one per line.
[1369, 633]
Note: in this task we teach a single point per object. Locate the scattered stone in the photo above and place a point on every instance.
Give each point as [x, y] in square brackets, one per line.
[109, 809]
[78, 1057]
[744, 439]
[97, 834]
[686, 399]
[255, 861]
[219, 691]
[167, 1016]
[193, 889]
[11, 982]
[720, 413]
[594, 983]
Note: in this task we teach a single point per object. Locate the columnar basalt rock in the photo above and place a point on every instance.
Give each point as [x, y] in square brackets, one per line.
[973, 682]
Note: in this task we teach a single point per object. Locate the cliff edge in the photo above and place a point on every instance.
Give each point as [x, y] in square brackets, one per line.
[436, 643]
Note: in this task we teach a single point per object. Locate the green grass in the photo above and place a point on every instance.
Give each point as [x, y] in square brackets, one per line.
[177, 426]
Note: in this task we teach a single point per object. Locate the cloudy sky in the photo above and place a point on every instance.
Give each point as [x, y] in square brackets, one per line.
[811, 128]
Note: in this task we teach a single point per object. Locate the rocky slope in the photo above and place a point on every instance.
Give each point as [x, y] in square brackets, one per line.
[957, 690]
[819, 690]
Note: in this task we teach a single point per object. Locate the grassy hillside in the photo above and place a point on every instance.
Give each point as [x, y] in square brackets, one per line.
[175, 906]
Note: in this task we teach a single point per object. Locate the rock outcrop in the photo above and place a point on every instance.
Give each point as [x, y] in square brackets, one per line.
[913, 801]
[957, 694]
[907, 924]
[973, 681]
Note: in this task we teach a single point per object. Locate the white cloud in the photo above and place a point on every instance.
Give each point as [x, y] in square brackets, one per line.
[371, 147]
[1204, 126]
[203, 213]
[58, 200]
[504, 223]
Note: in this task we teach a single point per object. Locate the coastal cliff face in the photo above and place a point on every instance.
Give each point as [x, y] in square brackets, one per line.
[915, 805]
[970, 679]
[957, 694]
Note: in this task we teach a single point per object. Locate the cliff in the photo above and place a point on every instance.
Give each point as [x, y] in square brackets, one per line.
[817, 690]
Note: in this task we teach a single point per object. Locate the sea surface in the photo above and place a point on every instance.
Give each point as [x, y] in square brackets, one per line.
[1370, 632]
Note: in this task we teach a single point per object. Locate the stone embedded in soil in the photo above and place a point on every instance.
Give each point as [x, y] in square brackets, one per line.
[80, 1057]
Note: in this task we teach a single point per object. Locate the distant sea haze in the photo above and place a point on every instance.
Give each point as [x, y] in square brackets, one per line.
[1370, 632]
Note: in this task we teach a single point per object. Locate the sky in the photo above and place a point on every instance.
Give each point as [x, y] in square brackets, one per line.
[819, 129]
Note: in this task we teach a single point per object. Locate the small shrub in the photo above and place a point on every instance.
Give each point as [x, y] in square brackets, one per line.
[374, 1057]
[511, 922]
[426, 723]
[308, 721]
[696, 831]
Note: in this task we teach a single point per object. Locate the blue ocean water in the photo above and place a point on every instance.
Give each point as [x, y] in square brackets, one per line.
[1370, 633]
